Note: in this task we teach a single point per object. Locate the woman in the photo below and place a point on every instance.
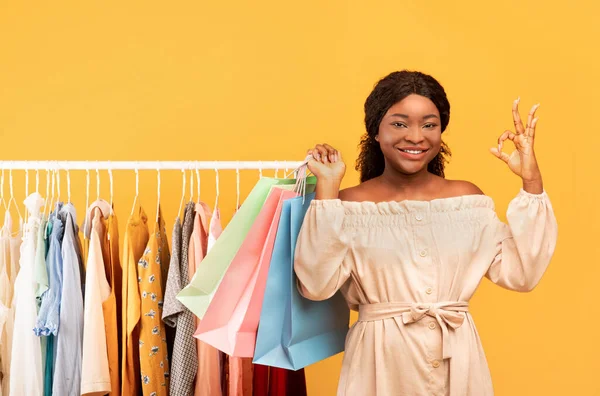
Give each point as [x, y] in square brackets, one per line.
[408, 248]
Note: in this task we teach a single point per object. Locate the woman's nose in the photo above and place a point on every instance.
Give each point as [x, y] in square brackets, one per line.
[415, 135]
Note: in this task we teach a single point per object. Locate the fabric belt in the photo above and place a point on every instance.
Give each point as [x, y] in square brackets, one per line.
[447, 314]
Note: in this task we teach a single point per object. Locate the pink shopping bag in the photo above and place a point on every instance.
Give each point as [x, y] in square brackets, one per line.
[231, 320]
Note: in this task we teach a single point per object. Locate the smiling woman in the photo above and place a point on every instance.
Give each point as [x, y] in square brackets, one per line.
[408, 248]
[400, 100]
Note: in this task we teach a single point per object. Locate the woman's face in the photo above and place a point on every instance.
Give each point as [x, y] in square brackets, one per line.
[410, 134]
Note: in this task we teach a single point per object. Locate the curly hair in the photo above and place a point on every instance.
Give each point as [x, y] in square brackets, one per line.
[387, 92]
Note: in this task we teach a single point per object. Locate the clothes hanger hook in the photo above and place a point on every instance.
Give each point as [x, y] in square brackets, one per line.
[12, 196]
[157, 194]
[216, 185]
[97, 182]
[58, 183]
[87, 188]
[68, 186]
[137, 186]
[237, 181]
[197, 180]
[191, 182]
[26, 182]
[110, 182]
[182, 191]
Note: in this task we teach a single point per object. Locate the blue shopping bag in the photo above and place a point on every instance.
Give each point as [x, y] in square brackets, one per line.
[293, 331]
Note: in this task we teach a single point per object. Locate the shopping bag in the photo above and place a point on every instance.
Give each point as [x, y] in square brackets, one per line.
[199, 292]
[231, 320]
[295, 332]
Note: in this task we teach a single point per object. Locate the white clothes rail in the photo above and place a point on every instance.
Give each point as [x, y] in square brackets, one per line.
[149, 165]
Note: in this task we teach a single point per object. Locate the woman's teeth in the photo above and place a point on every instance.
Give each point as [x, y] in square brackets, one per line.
[412, 151]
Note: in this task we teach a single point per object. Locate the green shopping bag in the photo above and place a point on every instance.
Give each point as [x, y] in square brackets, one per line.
[198, 294]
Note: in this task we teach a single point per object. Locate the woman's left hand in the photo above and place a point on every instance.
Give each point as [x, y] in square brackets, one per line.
[521, 161]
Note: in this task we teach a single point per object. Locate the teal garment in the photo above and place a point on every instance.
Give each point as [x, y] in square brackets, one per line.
[49, 366]
[48, 355]
[41, 278]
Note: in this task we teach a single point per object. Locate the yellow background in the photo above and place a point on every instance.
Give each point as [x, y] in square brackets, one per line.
[265, 80]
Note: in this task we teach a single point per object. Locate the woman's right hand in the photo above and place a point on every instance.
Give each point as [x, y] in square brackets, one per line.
[326, 163]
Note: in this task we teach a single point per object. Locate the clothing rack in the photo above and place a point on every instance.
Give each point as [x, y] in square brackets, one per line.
[148, 165]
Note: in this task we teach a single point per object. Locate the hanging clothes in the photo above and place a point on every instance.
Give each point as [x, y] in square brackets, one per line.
[184, 364]
[275, 381]
[241, 375]
[111, 307]
[284, 382]
[9, 257]
[42, 284]
[154, 359]
[136, 239]
[47, 343]
[171, 305]
[239, 371]
[48, 319]
[68, 341]
[208, 377]
[95, 374]
[26, 354]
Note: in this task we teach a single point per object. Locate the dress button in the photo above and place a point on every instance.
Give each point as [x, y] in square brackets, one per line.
[423, 253]
[435, 364]
[432, 325]
[429, 290]
[419, 217]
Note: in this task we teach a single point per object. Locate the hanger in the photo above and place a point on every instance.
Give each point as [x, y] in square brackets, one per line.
[2, 190]
[26, 192]
[68, 186]
[12, 196]
[47, 191]
[237, 182]
[216, 187]
[182, 192]
[110, 178]
[158, 195]
[191, 183]
[137, 187]
[198, 182]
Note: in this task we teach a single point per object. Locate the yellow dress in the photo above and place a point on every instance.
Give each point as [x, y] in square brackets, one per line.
[111, 306]
[134, 243]
[154, 360]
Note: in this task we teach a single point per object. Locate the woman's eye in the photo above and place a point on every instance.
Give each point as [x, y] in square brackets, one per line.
[429, 126]
[399, 125]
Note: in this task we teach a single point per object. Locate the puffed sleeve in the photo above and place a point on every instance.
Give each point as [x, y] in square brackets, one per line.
[321, 249]
[525, 246]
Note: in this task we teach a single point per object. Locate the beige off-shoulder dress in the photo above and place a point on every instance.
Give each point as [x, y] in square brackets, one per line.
[410, 268]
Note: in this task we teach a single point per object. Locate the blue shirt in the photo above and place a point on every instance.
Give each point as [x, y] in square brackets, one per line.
[69, 342]
[48, 317]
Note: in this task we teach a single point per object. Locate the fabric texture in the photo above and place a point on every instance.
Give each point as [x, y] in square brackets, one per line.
[9, 258]
[26, 355]
[136, 239]
[49, 314]
[68, 342]
[410, 269]
[184, 363]
[208, 377]
[95, 378]
[111, 307]
[154, 359]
